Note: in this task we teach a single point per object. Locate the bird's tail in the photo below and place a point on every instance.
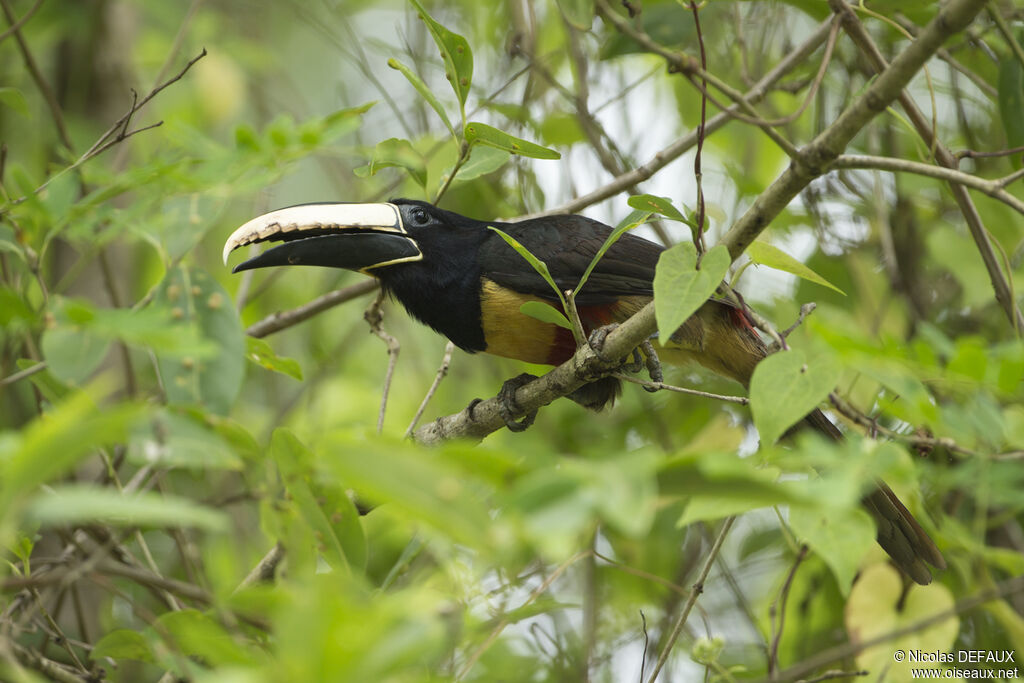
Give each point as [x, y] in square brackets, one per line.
[899, 533]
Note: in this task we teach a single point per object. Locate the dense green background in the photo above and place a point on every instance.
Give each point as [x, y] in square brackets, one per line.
[151, 454]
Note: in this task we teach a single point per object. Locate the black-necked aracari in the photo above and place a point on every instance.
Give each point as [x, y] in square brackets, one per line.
[463, 280]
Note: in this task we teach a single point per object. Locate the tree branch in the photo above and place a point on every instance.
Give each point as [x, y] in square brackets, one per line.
[281, 320]
[814, 158]
[687, 142]
[585, 366]
[957, 14]
[993, 188]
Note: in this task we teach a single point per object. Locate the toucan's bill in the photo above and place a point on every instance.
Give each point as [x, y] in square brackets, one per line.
[339, 235]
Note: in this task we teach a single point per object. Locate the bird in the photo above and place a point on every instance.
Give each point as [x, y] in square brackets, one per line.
[460, 277]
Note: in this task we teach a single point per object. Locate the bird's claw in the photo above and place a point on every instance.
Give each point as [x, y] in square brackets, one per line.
[648, 358]
[653, 364]
[597, 338]
[508, 408]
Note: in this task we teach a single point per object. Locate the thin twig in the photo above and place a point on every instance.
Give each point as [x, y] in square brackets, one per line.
[698, 588]
[840, 652]
[374, 316]
[834, 674]
[37, 76]
[688, 141]
[22, 374]
[974, 154]
[116, 129]
[741, 400]
[698, 238]
[805, 311]
[537, 592]
[778, 611]
[282, 320]
[992, 188]
[20, 22]
[442, 371]
[264, 570]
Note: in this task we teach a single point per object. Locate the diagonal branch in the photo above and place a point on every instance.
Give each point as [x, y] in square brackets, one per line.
[814, 158]
[684, 144]
[1000, 282]
[585, 366]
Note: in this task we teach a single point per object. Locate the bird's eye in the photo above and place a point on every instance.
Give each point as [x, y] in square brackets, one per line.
[419, 217]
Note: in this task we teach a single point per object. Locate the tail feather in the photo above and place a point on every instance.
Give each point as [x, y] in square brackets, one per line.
[899, 534]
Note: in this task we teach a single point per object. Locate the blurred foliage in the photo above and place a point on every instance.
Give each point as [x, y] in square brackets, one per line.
[146, 467]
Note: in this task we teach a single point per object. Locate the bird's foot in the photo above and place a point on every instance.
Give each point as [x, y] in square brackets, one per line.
[597, 338]
[644, 356]
[653, 364]
[508, 408]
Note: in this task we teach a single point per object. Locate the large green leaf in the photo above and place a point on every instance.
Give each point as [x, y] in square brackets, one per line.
[481, 133]
[659, 205]
[51, 445]
[841, 537]
[324, 506]
[787, 386]
[214, 381]
[680, 289]
[80, 504]
[773, 257]
[458, 59]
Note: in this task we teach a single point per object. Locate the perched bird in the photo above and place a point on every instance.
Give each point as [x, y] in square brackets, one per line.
[462, 279]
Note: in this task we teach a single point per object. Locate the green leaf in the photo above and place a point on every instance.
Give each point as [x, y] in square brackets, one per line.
[1011, 102]
[535, 262]
[841, 537]
[77, 504]
[396, 153]
[458, 59]
[667, 23]
[261, 353]
[633, 220]
[773, 257]
[71, 354]
[50, 446]
[326, 508]
[197, 635]
[14, 99]
[579, 13]
[425, 92]
[785, 387]
[481, 133]
[881, 603]
[421, 483]
[680, 289]
[214, 381]
[482, 160]
[176, 438]
[659, 205]
[545, 313]
[562, 129]
[123, 644]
